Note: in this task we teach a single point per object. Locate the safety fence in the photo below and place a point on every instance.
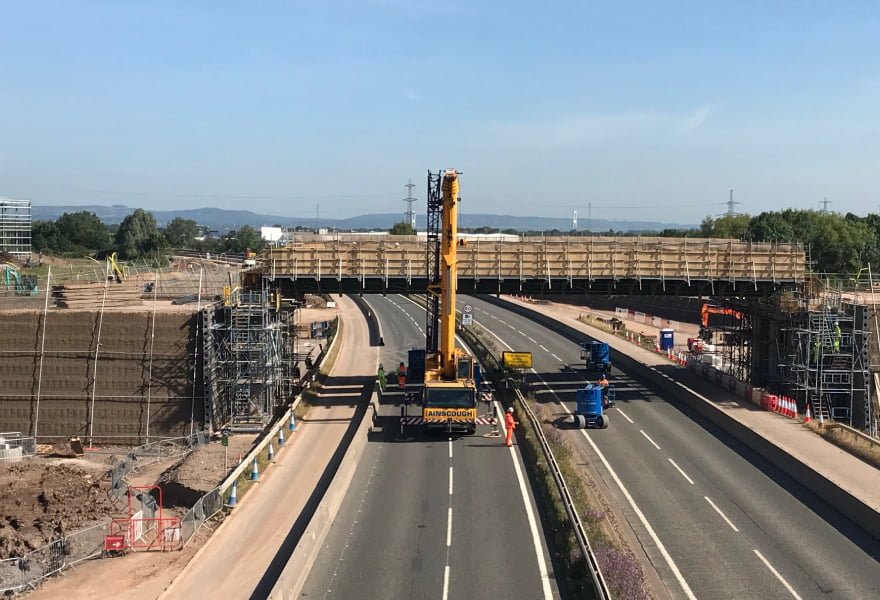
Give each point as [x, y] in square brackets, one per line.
[27, 571]
[636, 316]
[15, 447]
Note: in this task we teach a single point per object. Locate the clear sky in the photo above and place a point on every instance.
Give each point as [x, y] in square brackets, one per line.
[648, 110]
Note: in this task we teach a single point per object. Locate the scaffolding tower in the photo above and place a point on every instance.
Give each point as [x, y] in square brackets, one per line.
[827, 362]
[15, 227]
[252, 361]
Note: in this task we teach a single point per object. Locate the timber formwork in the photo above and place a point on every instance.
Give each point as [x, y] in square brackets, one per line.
[15, 227]
[636, 265]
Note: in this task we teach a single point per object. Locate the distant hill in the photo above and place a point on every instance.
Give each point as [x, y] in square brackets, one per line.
[224, 220]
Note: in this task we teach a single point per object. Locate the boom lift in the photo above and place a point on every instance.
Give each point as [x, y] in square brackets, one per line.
[449, 398]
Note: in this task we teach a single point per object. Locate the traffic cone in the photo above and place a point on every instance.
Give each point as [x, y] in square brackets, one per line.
[280, 436]
[292, 426]
[808, 417]
[233, 495]
[271, 452]
[255, 471]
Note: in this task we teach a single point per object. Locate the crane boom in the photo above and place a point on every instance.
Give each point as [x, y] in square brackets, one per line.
[448, 272]
[449, 399]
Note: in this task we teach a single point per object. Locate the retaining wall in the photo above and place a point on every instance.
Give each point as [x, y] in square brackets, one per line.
[119, 379]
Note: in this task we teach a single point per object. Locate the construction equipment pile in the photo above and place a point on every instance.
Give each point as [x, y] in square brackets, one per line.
[94, 294]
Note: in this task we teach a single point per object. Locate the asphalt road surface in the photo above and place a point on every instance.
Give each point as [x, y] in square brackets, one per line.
[716, 519]
[432, 517]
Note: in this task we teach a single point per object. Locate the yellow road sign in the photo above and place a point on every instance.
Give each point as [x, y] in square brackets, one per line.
[516, 360]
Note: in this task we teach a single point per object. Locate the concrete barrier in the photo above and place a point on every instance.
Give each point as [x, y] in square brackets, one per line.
[295, 573]
[849, 505]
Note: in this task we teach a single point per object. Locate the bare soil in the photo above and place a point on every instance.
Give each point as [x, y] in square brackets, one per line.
[201, 470]
[41, 500]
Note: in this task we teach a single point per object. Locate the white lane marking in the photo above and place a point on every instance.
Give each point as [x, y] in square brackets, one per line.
[647, 437]
[723, 516]
[446, 583]
[502, 322]
[512, 327]
[683, 474]
[647, 525]
[450, 480]
[450, 447]
[530, 515]
[533, 340]
[556, 357]
[625, 416]
[494, 317]
[449, 528]
[542, 347]
[522, 333]
[790, 589]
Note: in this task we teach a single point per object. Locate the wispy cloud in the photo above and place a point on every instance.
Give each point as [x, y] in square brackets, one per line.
[696, 119]
[590, 128]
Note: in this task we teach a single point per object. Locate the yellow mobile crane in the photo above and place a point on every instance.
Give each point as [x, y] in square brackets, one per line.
[449, 398]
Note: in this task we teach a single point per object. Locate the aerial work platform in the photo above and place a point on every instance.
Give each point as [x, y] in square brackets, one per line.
[604, 265]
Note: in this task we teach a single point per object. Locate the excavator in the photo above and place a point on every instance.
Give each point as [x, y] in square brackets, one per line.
[708, 309]
[449, 396]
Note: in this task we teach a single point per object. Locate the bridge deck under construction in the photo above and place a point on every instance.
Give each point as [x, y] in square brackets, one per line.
[539, 265]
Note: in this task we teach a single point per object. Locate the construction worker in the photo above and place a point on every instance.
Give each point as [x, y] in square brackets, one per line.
[401, 376]
[381, 377]
[603, 381]
[509, 425]
[816, 345]
[838, 335]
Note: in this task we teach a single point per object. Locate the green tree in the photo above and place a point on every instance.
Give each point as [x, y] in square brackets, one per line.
[771, 227]
[75, 233]
[180, 232]
[245, 237]
[138, 237]
[402, 228]
[732, 227]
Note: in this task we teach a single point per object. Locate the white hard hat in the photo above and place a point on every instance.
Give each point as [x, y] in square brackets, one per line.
[509, 409]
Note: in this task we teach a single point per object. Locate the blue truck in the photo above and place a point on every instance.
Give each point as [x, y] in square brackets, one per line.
[590, 413]
[597, 356]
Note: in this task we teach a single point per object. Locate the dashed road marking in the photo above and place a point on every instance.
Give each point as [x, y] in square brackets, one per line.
[625, 416]
[556, 357]
[648, 437]
[683, 474]
[723, 516]
[766, 562]
[542, 347]
[533, 340]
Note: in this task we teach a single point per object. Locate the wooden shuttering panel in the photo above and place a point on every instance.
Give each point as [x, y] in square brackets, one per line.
[549, 258]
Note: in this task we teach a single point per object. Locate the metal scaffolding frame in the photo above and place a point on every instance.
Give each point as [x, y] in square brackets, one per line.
[825, 362]
[15, 227]
[250, 361]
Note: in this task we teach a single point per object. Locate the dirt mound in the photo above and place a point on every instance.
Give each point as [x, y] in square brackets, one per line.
[201, 471]
[39, 502]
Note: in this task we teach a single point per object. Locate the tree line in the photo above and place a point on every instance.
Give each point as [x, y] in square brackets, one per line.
[137, 237]
[837, 243]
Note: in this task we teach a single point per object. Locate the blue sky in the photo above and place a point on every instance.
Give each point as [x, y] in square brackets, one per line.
[647, 110]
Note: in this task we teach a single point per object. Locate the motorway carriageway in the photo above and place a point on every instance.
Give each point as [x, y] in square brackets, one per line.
[715, 519]
[432, 517]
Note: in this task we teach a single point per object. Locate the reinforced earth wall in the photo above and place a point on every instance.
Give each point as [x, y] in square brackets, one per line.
[137, 392]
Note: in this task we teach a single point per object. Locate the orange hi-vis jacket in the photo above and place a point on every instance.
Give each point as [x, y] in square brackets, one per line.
[509, 423]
